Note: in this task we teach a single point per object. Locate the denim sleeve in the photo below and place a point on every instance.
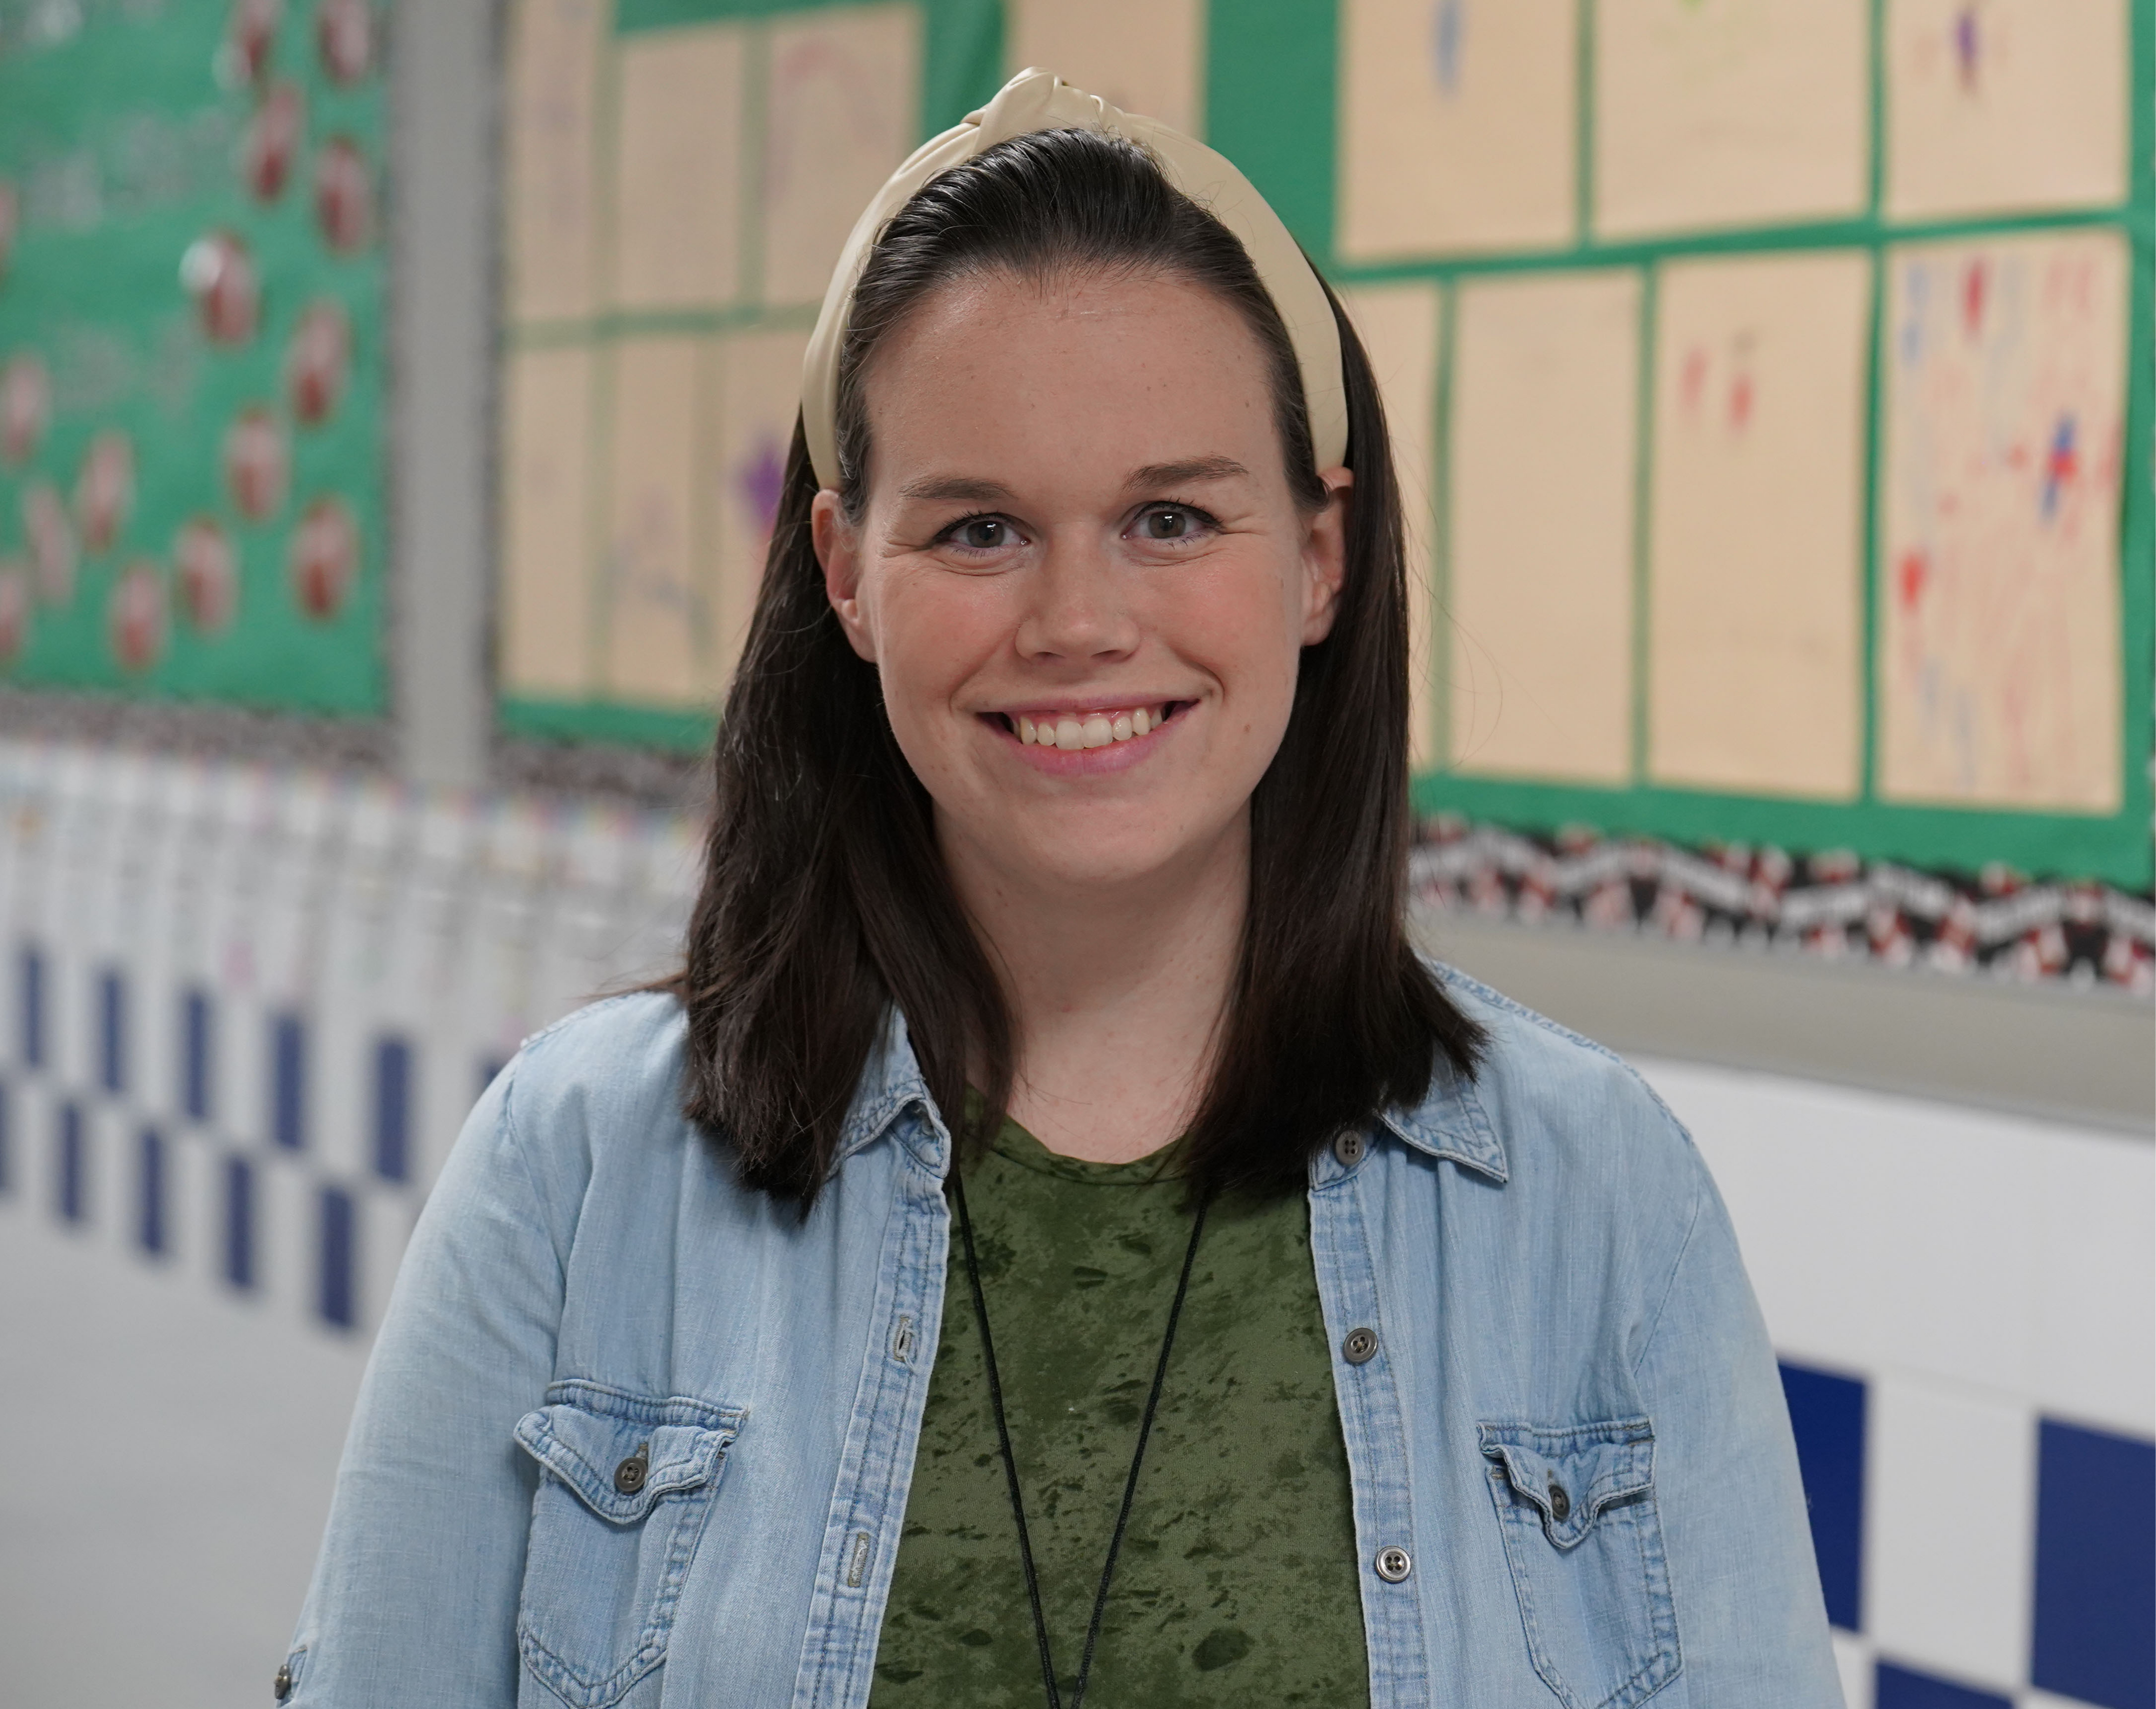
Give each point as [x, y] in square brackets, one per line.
[1751, 1619]
[414, 1595]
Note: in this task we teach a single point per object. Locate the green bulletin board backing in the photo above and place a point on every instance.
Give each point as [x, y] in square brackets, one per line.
[1271, 97]
[125, 137]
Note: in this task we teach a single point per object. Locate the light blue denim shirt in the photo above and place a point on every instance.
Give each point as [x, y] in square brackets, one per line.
[632, 1435]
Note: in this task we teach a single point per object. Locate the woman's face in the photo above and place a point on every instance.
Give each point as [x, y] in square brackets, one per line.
[1080, 572]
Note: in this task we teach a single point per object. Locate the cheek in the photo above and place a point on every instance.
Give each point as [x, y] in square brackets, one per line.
[932, 635]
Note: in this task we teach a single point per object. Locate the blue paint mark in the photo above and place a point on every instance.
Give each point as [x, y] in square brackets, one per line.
[71, 1178]
[338, 1217]
[288, 1082]
[150, 1227]
[1827, 1414]
[239, 1222]
[195, 1048]
[112, 1031]
[2061, 464]
[2095, 1636]
[31, 997]
[1448, 31]
[393, 1109]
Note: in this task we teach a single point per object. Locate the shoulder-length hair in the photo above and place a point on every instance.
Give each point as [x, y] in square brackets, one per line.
[825, 899]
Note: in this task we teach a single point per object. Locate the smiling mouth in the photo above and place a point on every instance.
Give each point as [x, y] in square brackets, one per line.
[1073, 730]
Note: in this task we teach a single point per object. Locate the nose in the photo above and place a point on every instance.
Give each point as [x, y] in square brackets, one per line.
[1076, 608]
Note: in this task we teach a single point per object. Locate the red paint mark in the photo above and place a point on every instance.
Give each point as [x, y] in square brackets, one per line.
[1740, 402]
[1911, 574]
[1972, 285]
[1693, 380]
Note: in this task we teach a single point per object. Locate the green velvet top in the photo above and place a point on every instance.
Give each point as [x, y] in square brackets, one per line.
[1238, 1581]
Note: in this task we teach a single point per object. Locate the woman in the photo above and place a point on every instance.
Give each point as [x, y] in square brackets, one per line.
[1055, 1238]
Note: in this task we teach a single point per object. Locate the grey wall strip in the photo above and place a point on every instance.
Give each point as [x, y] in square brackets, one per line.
[443, 96]
[2079, 1055]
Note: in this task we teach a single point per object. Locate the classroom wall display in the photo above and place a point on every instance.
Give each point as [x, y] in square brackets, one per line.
[191, 361]
[1788, 422]
[679, 176]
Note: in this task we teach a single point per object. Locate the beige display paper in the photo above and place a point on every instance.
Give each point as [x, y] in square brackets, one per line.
[1397, 324]
[2008, 106]
[1142, 56]
[678, 168]
[550, 140]
[1716, 113]
[656, 615]
[1999, 609]
[843, 109]
[1545, 414]
[759, 397]
[546, 522]
[1458, 122]
[1755, 597]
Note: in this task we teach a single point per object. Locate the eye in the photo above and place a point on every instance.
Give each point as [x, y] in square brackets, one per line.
[981, 533]
[1171, 521]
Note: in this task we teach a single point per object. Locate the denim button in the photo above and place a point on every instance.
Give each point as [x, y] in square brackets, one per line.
[628, 1475]
[1359, 1346]
[282, 1685]
[1560, 1503]
[1349, 1146]
[1394, 1564]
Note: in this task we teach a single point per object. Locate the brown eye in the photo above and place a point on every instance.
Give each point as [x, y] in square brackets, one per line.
[1166, 522]
[984, 533]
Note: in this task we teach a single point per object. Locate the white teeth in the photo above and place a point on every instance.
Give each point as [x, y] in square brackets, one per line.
[1098, 729]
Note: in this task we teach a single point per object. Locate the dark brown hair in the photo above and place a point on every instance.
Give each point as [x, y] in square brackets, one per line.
[825, 898]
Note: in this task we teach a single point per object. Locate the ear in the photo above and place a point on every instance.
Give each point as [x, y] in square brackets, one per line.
[838, 549]
[1325, 556]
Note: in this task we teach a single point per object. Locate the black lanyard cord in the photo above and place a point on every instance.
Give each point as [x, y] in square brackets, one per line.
[1010, 1462]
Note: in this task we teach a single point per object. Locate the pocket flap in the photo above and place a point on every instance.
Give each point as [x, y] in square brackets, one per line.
[585, 1437]
[1572, 1474]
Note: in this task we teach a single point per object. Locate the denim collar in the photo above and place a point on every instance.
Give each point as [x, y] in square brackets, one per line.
[1449, 1123]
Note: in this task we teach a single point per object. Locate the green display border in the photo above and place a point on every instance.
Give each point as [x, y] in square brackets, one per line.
[1271, 96]
[962, 67]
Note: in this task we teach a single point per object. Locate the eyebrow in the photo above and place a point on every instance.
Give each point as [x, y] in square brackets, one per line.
[973, 489]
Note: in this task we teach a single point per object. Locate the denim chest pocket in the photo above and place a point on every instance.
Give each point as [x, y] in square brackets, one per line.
[1583, 1539]
[628, 1483]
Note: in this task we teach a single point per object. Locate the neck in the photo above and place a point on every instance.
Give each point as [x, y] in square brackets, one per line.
[1117, 992]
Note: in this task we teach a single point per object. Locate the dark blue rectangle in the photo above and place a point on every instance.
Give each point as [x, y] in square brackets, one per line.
[288, 1082]
[393, 1109]
[2096, 1567]
[339, 1214]
[1827, 1412]
[30, 999]
[1905, 1688]
[239, 1222]
[195, 1045]
[70, 1180]
[112, 1031]
[151, 1229]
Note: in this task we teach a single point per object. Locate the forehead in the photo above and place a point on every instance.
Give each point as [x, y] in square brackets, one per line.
[1075, 370]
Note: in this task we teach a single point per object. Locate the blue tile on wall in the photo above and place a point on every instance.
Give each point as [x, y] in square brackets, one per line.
[70, 1178]
[288, 1082]
[151, 1229]
[393, 1109]
[1905, 1688]
[1827, 1412]
[30, 1005]
[112, 1031]
[2096, 1567]
[196, 1043]
[338, 1216]
[239, 1222]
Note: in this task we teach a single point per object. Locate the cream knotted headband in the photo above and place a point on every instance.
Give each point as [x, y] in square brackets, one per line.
[1036, 100]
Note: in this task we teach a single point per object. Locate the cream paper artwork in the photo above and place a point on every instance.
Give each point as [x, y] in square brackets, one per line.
[1755, 568]
[1142, 56]
[1545, 392]
[1998, 596]
[1719, 113]
[1458, 126]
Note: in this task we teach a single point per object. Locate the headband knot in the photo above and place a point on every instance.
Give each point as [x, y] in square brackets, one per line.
[1037, 100]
